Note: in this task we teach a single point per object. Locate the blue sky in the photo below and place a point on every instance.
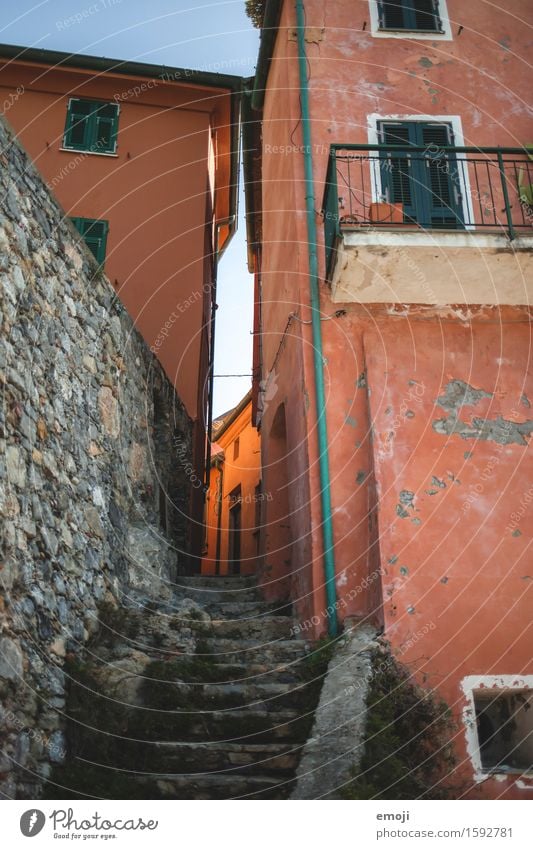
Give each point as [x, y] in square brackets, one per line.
[215, 36]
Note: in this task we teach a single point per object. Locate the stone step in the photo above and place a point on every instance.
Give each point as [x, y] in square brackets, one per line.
[245, 609]
[182, 697]
[195, 758]
[226, 650]
[252, 673]
[265, 628]
[251, 725]
[219, 787]
[211, 595]
[230, 582]
[232, 725]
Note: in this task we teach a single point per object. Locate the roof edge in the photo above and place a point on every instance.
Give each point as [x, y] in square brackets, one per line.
[121, 66]
[235, 413]
[230, 82]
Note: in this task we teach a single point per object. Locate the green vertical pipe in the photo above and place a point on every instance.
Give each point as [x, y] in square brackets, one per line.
[318, 358]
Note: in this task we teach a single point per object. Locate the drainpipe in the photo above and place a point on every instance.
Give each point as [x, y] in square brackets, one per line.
[318, 358]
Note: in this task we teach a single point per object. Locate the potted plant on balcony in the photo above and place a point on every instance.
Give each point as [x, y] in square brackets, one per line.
[525, 189]
[383, 212]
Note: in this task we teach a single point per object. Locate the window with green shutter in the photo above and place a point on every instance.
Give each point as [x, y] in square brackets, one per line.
[413, 15]
[91, 126]
[94, 233]
[427, 183]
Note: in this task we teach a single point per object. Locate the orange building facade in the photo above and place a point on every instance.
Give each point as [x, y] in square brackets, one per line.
[235, 496]
[144, 159]
[424, 250]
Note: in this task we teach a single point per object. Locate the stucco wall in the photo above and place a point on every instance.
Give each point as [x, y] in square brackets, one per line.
[154, 192]
[243, 471]
[89, 425]
[385, 365]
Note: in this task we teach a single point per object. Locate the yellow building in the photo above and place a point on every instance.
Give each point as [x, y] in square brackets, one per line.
[234, 498]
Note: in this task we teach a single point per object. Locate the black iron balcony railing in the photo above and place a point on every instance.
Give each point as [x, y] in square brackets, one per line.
[427, 188]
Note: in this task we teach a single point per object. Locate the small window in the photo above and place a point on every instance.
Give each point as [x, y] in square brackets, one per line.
[413, 15]
[91, 126]
[236, 447]
[504, 721]
[426, 186]
[95, 234]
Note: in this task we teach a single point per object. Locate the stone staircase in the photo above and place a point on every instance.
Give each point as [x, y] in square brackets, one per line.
[213, 700]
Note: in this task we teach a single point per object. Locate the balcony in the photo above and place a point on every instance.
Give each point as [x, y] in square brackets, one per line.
[431, 225]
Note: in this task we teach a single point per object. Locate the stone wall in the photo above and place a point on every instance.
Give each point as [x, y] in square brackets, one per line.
[93, 506]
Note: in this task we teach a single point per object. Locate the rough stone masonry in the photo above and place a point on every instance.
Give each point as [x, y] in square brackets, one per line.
[92, 505]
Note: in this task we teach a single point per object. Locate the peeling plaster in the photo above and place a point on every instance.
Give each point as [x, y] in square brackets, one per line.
[407, 497]
[459, 394]
[498, 430]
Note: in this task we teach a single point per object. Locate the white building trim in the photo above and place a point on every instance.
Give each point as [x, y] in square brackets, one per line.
[373, 119]
[482, 683]
[412, 34]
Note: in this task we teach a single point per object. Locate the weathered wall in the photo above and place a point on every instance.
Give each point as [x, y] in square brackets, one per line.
[379, 360]
[88, 424]
[452, 423]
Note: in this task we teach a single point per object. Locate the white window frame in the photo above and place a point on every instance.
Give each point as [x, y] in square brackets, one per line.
[446, 35]
[473, 684]
[374, 119]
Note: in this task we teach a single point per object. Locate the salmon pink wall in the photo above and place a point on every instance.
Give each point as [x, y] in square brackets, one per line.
[419, 548]
[155, 193]
[454, 543]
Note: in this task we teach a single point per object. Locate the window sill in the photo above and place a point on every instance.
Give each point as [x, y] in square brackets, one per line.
[408, 31]
[88, 152]
[414, 34]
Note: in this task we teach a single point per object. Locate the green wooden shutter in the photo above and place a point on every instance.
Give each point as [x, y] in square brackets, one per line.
[77, 124]
[106, 125]
[94, 233]
[91, 126]
[397, 177]
[426, 15]
[426, 183]
[410, 15]
[442, 176]
[392, 14]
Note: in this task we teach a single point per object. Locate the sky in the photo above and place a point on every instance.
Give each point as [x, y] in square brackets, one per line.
[212, 36]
